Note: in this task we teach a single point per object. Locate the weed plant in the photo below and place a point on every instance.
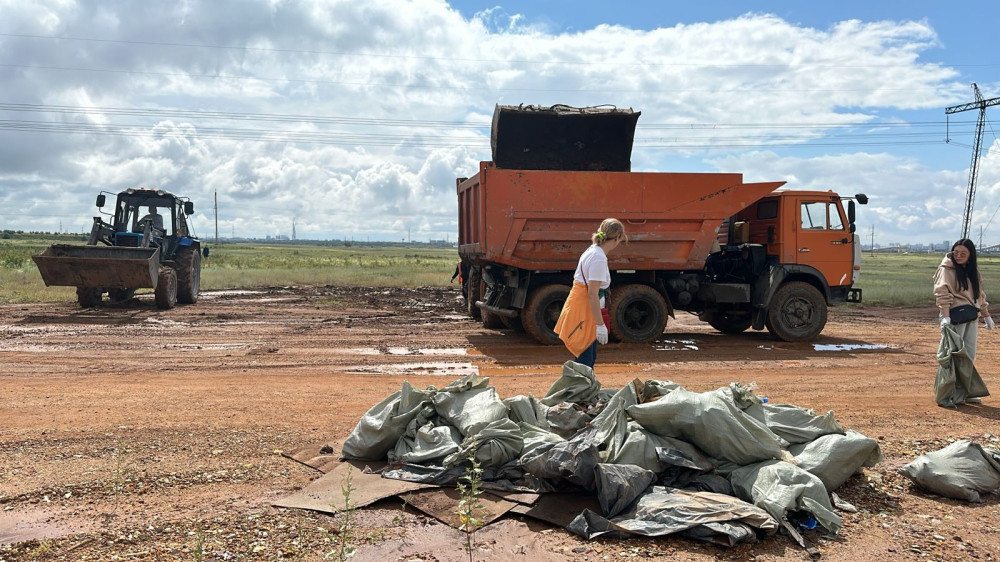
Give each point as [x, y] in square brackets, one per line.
[345, 523]
[469, 507]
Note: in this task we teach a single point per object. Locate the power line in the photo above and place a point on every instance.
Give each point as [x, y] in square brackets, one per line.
[196, 114]
[643, 90]
[617, 64]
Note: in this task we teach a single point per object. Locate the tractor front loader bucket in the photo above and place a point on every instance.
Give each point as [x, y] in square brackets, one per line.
[67, 265]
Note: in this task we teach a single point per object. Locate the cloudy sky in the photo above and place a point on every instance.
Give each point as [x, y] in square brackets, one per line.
[353, 118]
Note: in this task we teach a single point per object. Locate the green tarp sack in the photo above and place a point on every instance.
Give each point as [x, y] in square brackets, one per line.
[957, 379]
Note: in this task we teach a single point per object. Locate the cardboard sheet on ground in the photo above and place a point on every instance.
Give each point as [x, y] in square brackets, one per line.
[325, 494]
[323, 456]
[558, 509]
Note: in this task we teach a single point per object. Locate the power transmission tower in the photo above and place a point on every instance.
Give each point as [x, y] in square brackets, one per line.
[980, 104]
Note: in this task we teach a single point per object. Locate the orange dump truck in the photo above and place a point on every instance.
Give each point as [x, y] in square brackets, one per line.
[739, 255]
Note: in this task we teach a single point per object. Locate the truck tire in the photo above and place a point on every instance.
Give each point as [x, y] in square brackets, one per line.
[473, 294]
[729, 323]
[513, 323]
[88, 297]
[638, 313]
[120, 295]
[166, 288]
[541, 312]
[188, 262]
[797, 312]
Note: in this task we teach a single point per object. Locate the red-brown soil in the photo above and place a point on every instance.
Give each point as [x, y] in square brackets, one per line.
[131, 433]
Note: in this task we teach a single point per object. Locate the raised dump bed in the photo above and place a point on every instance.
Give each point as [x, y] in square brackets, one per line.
[66, 265]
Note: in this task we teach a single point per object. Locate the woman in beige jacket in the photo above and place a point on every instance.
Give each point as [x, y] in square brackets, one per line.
[957, 282]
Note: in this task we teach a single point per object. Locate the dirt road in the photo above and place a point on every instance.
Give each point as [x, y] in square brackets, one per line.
[136, 433]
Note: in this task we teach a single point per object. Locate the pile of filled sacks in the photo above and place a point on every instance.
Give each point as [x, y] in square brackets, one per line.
[723, 466]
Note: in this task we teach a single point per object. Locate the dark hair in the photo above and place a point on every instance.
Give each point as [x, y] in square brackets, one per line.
[968, 273]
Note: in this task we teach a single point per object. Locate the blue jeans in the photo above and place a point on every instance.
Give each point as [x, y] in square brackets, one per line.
[588, 357]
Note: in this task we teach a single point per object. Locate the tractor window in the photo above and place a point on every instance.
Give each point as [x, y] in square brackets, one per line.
[159, 216]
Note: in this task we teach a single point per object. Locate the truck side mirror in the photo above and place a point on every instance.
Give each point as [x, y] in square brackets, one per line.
[862, 198]
[188, 207]
[850, 213]
[100, 200]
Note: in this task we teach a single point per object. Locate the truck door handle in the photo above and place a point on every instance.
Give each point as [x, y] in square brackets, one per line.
[803, 249]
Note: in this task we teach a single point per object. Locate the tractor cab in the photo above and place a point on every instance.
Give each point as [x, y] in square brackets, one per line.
[146, 218]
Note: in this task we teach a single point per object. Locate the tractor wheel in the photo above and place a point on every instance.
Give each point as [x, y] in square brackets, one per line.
[120, 295]
[166, 288]
[475, 280]
[729, 323]
[541, 313]
[797, 312]
[188, 274]
[638, 313]
[88, 297]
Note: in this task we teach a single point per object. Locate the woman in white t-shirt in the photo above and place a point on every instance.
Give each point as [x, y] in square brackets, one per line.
[581, 324]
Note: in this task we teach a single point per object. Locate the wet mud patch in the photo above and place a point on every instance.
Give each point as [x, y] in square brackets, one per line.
[426, 369]
[39, 524]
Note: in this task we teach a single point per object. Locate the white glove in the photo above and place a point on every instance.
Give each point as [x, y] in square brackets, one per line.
[602, 334]
[945, 321]
[989, 323]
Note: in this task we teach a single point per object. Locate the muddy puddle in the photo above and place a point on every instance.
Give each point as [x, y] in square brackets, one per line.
[675, 345]
[436, 369]
[850, 346]
[39, 524]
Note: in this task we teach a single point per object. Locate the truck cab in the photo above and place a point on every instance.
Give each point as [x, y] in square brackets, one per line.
[812, 260]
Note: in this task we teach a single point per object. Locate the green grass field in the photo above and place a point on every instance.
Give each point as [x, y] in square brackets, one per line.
[887, 279]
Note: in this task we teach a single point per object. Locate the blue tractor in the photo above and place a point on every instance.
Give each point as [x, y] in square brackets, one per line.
[147, 244]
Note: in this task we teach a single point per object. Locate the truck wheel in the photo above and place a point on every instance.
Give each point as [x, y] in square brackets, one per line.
[88, 297]
[513, 323]
[638, 313]
[120, 295]
[188, 274]
[473, 294]
[166, 288]
[729, 323]
[541, 313]
[797, 312]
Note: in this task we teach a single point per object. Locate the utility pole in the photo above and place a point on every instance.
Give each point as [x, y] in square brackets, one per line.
[216, 217]
[980, 104]
[873, 240]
